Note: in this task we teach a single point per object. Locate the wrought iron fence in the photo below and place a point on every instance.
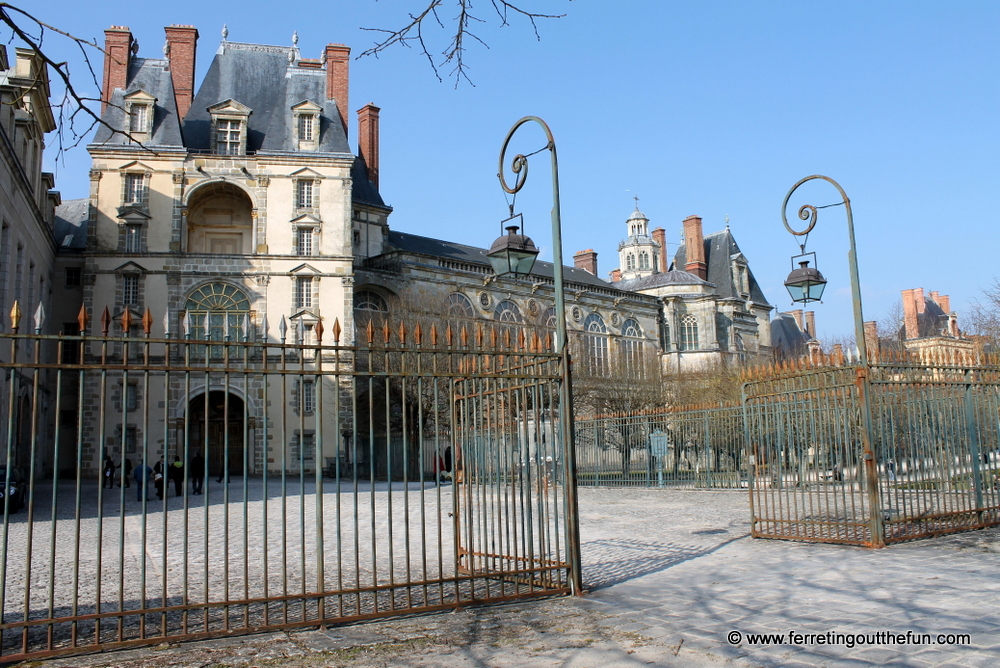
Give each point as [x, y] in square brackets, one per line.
[692, 447]
[303, 483]
[934, 462]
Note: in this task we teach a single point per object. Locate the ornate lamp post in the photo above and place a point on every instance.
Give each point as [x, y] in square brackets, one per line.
[515, 253]
[805, 285]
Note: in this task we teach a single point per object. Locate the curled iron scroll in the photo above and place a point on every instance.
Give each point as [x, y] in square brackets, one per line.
[519, 165]
[808, 211]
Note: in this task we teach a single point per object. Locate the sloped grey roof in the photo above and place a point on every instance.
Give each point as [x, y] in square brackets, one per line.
[262, 78]
[362, 189]
[719, 249]
[672, 277]
[412, 243]
[786, 337]
[70, 225]
[153, 77]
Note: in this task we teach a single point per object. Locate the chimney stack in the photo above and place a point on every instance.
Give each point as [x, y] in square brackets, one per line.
[182, 42]
[797, 314]
[336, 58]
[616, 275]
[871, 340]
[368, 140]
[944, 301]
[918, 300]
[660, 237]
[811, 324]
[694, 241]
[910, 315]
[586, 260]
[117, 52]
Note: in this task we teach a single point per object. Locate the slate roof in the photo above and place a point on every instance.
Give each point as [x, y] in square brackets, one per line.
[786, 337]
[153, 77]
[720, 247]
[412, 243]
[70, 225]
[262, 78]
[672, 277]
[257, 76]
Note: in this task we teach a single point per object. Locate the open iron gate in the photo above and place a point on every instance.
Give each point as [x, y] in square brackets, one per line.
[326, 476]
[933, 465]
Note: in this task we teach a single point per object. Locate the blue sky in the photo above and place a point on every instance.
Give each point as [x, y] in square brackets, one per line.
[706, 108]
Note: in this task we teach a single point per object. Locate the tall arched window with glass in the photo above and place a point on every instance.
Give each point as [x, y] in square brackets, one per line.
[689, 333]
[630, 346]
[629, 262]
[217, 312]
[508, 314]
[369, 306]
[643, 260]
[596, 343]
[460, 307]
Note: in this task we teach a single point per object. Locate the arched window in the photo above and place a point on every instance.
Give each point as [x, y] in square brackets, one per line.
[368, 305]
[689, 333]
[220, 306]
[459, 306]
[629, 262]
[507, 311]
[549, 318]
[665, 336]
[643, 260]
[596, 341]
[631, 346]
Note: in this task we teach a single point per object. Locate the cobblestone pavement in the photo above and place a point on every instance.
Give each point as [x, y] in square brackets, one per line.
[672, 573]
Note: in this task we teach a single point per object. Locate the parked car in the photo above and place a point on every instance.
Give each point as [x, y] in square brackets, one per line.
[13, 496]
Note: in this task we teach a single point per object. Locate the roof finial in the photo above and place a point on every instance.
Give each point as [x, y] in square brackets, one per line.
[225, 32]
[636, 198]
[727, 221]
[295, 38]
[166, 49]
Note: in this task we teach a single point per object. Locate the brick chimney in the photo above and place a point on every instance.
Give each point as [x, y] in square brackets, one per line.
[117, 52]
[910, 315]
[368, 139]
[797, 314]
[182, 42]
[934, 296]
[694, 241]
[918, 300]
[944, 301]
[811, 324]
[660, 237]
[586, 260]
[337, 59]
[871, 340]
[616, 275]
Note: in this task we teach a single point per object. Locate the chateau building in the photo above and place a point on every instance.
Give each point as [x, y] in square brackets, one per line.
[230, 206]
[27, 246]
[712, 310]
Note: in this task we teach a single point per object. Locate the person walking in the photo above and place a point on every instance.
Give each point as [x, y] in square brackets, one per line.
[108, 473]
[158, 481]
[176, 474]
[142, 474]
[197, 472]
[128, 473]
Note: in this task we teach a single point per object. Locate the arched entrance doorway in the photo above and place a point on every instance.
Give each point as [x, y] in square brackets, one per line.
[219, 220]
[223, 418]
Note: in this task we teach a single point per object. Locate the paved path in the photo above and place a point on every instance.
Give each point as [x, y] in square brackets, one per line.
[673, 574]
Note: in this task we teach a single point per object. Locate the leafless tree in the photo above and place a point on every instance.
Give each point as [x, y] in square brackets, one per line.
[415, 32]
[984, 319]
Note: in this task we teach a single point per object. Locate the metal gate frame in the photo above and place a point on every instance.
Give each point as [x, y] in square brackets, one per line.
[926, 463]
[301, 530]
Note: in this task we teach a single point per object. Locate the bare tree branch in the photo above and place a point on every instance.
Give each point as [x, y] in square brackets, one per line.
[74, 103]
[455, 51]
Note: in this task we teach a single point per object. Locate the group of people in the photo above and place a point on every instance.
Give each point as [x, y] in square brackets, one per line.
[159, 475]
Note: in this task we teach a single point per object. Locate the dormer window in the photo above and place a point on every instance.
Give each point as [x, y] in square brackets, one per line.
[229, 127]
[306, 122]
[139, 114]
[306, 128]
